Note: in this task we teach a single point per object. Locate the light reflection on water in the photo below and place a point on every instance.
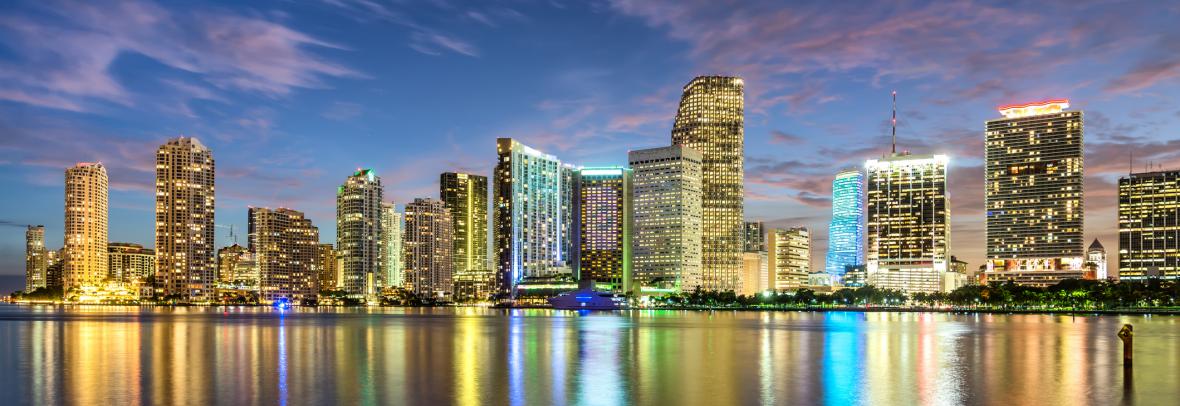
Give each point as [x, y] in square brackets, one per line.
[470, 356]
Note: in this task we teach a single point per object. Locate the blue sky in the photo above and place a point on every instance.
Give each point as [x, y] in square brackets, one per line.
[294, 96]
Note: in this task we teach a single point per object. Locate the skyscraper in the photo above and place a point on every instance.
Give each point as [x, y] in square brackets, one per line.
[710, 120]
[666, 192]
[391, 245]
[908, 222]
[754, 236]
[466, 196]
[531, 202]
[53, 269]
[1033, 185]
[286, 245]
[1149, 225]
[35, 261]
[846, 233]
[184, 220]
[85, 249]
[790, 257]
[130, 262]
[605, 227]
[330, 267]
[358, 233]
[429, 240]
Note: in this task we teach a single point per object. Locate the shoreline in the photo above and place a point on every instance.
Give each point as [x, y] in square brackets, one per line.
[872, 309]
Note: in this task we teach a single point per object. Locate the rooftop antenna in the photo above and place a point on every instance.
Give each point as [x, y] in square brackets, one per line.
[1130, 162]
[893, 144]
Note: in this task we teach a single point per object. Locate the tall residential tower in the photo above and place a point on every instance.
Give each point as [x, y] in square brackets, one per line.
[286, 245]
[35, 258]
[605, 227]
[84, 253]
[531, 192]
[711, 120]
[466, 196]
[185, 264]
[429, 241]
[358, 233]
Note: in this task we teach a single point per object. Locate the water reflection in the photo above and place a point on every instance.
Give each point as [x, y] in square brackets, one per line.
[118, 355]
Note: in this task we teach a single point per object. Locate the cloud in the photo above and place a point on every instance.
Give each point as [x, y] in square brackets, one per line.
[72, 55]
[432, 43]
[780, 137]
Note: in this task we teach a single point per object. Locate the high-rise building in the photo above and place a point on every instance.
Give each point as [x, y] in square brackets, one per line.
[330, 267]
[428, 243]
[754, 236]
[790, 257]
[184, 220]
[466, 196]
[908, 222]
[391, 245]
[231, 269]
[358, 233]
[1033, 185]
[666, 192]
[531, 208]
[605, 224]
[711, 120]
[286, 245]
[1149, 225]
[53, 269]
[84, 253]
[35, 261]
[846, 232]
[130, 262]
[1096, 255]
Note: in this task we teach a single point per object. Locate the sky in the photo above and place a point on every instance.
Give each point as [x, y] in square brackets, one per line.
[292, 97]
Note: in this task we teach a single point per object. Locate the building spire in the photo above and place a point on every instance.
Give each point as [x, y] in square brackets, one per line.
[893, 143]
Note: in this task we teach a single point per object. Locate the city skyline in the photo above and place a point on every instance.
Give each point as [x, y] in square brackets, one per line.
[272, 157]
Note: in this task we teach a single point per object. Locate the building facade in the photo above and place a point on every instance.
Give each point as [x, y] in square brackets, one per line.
[236, 267]
[185, 247]
[605, 227]
[1096, 261]
[358, 233]
[285, 245]
[1149, 226]
[790, 258]
[754, 236]
[391, 245]
[846, 232]
[711, 120]
[466, 196]
[429, 241]
[755, 272]
[35, 261]
[84, 253]
[1033, 193]
[908, 222]
[666, 193]
[330, 268]
[532, 215]
[130, 262]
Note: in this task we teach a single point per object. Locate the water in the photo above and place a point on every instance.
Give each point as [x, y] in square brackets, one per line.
[232, 356]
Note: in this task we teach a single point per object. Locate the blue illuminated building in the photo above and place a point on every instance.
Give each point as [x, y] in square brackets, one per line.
[846, 233]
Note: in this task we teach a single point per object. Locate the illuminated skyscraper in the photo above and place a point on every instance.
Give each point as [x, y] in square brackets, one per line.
[85, 250]
[358, 233]
[35, 261]
[1149, 225]
[185, 264]
[790, 257]
[330, 267]
[130, 262]
[1033, 185]
[466, 196]
[908, 222]
[236, 267]
[710, 120]
[605, 227]
[531, 202]
[754, 236]
[666, 192]
[53, 269]
[846, 233]
[391, 250]
[429, 240]
[286, 245]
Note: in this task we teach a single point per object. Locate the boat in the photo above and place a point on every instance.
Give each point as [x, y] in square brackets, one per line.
[588, 299]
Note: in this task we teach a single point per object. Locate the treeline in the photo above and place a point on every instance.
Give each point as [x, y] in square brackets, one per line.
[1070, 294]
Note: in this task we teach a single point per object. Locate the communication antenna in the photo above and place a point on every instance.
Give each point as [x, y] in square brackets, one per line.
[893, 144]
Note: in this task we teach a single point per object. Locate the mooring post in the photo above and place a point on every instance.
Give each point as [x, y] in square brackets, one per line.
[1127, 335]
